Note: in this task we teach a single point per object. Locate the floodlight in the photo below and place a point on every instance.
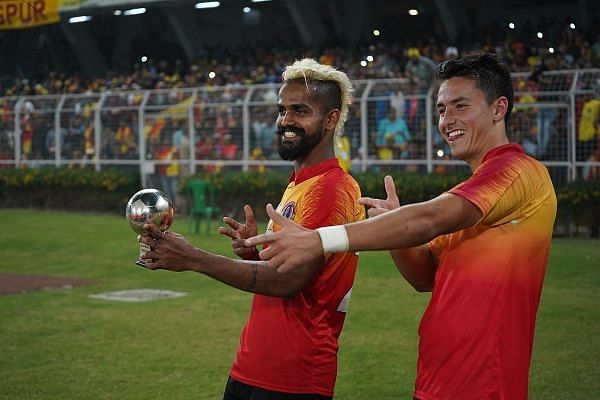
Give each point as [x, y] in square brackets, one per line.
[208, 4]
[81, 18]
[134, 11]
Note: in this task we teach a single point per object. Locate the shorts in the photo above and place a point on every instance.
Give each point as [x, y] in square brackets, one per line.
[236, 390]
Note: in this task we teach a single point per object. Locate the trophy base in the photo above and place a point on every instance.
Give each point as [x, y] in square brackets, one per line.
[143, 248]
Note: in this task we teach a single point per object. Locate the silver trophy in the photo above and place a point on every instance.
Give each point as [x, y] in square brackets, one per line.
[149, 206]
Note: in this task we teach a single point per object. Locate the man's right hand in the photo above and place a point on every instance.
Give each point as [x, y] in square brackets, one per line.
[239, 232]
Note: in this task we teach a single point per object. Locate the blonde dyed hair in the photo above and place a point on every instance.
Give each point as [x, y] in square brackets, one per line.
[310, 70]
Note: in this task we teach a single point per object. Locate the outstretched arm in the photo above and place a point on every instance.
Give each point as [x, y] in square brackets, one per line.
[173, 252]
[407, 226]
[416, 264]
[413, 224]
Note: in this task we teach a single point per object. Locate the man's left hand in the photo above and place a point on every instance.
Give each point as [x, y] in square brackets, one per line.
[291, 247]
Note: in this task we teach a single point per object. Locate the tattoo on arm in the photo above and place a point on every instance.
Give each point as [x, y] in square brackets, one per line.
[252, 285]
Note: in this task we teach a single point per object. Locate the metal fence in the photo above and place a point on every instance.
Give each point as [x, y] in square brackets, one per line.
[168, 134]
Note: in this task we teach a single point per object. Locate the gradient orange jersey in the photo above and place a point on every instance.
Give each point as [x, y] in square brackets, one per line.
[290, 345]
[476, 336]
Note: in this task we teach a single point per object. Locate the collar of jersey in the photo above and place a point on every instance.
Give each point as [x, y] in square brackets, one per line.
[505, 148]
[314, 170]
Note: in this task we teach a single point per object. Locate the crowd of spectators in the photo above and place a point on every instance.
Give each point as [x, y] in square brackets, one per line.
[396, 133]
[571, 48]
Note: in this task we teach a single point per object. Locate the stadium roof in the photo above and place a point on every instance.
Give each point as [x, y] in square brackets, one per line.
[110, 35]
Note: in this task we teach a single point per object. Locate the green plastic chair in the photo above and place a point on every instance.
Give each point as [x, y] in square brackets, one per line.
[203, 204]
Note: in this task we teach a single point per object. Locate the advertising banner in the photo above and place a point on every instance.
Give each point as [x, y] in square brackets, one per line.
[20, 14]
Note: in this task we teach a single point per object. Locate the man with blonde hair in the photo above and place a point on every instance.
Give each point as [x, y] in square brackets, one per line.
[288, 348]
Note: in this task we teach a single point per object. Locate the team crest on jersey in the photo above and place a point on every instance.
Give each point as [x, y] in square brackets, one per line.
[289, 210]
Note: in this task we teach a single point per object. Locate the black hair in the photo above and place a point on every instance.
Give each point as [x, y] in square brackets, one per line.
[489, 72]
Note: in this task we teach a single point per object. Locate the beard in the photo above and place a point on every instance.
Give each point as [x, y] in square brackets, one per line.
[303, 144]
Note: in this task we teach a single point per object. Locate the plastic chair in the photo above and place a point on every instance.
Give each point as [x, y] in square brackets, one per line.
[203, 204]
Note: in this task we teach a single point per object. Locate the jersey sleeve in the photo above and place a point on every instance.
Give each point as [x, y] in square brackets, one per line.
[437, 245]
[499, 188]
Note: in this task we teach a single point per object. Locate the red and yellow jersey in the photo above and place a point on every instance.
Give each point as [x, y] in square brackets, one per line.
[164, 153]
[290, 345]
[476, 336]
[26, 135]
[124, 139]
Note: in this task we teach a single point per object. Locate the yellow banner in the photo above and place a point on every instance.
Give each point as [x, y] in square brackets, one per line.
[21, 14]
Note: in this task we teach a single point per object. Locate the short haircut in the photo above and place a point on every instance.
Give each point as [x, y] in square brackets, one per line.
[490, 74]
[332, 87]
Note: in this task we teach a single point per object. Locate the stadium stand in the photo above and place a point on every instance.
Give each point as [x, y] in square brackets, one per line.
[172, 117]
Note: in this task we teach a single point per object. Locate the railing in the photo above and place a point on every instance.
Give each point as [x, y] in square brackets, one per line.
[166, 134]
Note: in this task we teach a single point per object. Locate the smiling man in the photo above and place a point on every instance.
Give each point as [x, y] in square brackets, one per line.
[481, 248]
[288, 348]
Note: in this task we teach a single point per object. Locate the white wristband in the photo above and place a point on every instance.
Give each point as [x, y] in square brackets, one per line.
[334, 239]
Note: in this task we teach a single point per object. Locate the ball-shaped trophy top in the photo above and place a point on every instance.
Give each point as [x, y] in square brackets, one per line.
[149, 206]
